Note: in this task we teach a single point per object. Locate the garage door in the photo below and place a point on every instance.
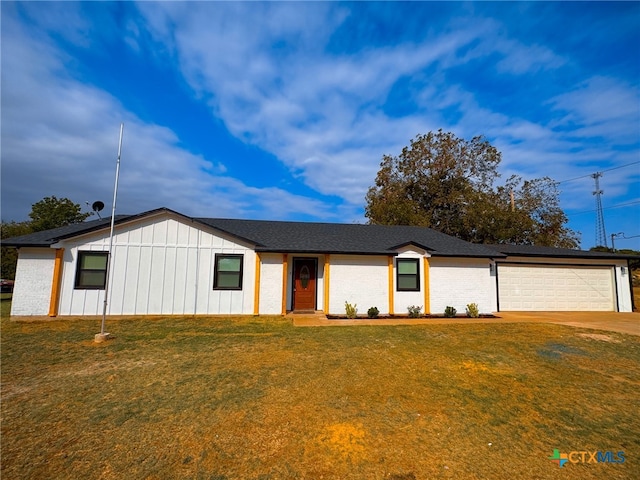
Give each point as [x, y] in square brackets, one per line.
[555, 288]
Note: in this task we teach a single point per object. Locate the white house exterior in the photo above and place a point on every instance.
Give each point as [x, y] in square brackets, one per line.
[165, 263]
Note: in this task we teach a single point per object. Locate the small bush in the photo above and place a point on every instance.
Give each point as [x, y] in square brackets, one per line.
[414, 311]
[450, 312]
[373, 312]
[473, 311]
[351, 310]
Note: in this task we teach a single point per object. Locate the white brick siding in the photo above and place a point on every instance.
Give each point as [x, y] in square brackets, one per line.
[34, 277]
[358, 279]
[271, 284]
[456, 282]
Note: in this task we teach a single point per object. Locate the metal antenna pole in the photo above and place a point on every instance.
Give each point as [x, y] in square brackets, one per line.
[601, 236]
[113, 217]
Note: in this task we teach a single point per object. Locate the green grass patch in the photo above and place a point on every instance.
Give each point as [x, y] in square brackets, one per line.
[260, 399]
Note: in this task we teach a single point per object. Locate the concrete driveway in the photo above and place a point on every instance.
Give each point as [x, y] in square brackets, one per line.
[610, 321]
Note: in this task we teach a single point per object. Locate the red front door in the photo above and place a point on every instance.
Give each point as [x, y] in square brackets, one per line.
[304, 286]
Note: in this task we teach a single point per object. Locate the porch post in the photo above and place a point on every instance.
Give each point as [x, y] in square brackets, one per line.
[327, 261]
[256, 291]
[391, 300]
[427, 295]
[56, 282]
[285, 269]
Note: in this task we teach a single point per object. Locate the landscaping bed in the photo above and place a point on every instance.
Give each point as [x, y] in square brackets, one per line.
[405, 317]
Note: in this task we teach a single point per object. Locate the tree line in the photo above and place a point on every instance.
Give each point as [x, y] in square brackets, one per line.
[48, 213]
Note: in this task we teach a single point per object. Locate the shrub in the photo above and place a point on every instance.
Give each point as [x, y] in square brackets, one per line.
[473, 311]
[414, 311]
[351, 310]
[373, 312]
[450, 312]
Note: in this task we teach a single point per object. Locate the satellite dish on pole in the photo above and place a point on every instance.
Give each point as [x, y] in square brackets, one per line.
[97, 207]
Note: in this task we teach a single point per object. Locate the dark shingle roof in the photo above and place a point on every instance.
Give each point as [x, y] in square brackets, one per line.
[292, 237]
[46, 238]
[301, 237]
[536, 251]
[308, 237]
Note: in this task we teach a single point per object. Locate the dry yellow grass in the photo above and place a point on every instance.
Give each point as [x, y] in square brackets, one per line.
[259, 399]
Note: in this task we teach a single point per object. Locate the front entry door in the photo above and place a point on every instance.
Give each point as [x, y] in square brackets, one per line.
[304, 285]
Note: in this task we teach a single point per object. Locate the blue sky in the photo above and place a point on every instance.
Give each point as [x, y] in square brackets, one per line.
[284, 110]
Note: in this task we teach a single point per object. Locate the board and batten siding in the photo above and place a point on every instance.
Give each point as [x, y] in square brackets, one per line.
[457, 282]
[34, 277]
[161, 266]
[361, 280]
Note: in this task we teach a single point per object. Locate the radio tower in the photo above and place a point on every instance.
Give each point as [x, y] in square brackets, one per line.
[601, 236]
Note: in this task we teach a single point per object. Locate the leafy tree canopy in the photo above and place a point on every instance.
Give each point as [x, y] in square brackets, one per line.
[9, 256]
[52, 212]
[447, 183]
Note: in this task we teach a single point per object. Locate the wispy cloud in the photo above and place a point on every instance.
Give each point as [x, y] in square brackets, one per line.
[60, 136]
[323, 90]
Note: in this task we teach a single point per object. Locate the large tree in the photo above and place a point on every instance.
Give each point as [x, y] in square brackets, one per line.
[50, 212]
[448, 184]
[9, 256]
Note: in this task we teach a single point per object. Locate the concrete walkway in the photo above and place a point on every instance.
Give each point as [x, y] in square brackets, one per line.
[610, 321]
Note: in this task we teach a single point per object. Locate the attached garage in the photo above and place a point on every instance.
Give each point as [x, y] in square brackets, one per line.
[556, 288]
[533, 278]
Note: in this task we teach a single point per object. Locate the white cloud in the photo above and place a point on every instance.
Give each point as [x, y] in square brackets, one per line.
[60, 137]
[271, 74]
[601, 107]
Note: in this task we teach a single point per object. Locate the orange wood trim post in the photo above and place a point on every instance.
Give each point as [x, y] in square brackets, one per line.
[56, 283]
[327, 261]
[427, 288]
[391, 300]
[285, 268]
[256, 292]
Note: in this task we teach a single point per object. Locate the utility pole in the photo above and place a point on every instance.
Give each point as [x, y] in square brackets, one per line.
[601, 236]
[615, 235]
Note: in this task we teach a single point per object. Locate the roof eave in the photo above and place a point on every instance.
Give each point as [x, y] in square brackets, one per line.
[576, 256]
[471, 255]
[28, 245]
[322, 252]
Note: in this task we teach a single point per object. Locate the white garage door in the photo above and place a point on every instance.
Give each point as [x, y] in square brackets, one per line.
[555, 288]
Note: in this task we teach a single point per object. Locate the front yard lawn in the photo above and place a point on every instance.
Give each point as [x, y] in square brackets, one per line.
[255, 398]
